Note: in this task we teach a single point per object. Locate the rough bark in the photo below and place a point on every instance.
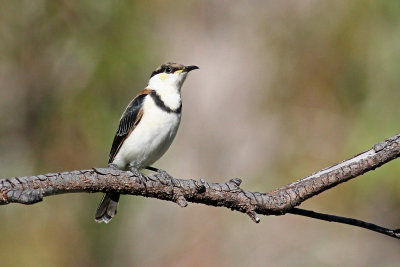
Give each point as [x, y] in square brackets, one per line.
[32, 189]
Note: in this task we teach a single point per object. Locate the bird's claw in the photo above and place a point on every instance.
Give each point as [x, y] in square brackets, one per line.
[164, 174]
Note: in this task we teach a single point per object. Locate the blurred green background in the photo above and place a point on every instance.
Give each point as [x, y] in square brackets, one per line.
[285, 88]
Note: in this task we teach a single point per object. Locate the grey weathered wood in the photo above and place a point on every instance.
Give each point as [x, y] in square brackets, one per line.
[32, 189]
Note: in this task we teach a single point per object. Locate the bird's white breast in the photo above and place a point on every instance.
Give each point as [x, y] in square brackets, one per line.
[151, 138]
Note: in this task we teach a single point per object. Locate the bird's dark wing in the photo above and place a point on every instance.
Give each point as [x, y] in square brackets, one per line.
[130, 118]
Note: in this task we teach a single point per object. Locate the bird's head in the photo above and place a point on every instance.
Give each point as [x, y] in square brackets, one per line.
[169, 75]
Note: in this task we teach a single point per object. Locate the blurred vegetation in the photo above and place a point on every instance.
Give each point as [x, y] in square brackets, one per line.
[284, 89]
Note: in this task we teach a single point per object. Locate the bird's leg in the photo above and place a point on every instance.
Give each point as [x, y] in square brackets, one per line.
[136, 172]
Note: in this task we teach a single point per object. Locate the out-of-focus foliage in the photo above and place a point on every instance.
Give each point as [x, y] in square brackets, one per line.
[285, 88]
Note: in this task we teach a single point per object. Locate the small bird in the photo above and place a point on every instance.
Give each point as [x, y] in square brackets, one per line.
[147, 128]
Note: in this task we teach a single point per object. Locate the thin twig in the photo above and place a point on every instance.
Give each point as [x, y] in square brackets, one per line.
[350, 221]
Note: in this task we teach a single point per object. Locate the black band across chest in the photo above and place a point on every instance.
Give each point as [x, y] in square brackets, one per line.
[157, 99]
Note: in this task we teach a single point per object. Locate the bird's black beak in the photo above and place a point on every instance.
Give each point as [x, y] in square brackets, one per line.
[190, 68]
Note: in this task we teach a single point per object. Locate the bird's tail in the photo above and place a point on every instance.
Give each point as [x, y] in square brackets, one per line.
[107, 208]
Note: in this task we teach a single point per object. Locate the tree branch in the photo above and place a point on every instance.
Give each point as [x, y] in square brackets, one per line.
[32, 189]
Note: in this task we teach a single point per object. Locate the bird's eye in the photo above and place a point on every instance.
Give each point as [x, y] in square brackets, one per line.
[168, 70]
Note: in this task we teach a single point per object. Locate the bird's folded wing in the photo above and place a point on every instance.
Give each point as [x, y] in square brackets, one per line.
[130, 118]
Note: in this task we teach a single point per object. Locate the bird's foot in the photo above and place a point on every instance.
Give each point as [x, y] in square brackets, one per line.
[136, 172]
[163, 174]
[160, 172]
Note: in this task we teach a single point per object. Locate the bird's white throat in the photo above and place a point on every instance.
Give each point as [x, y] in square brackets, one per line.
[168, 88]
